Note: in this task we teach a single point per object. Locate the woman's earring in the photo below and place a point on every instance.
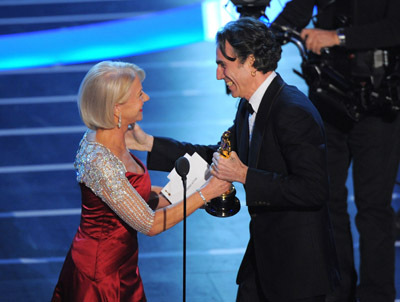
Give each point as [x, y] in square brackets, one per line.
[253, 73]
[119, 120]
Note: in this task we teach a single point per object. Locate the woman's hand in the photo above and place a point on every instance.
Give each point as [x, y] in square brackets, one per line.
[137, 139]
[214, 187]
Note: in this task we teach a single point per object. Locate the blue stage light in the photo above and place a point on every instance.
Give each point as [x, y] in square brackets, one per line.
[117, 39]
[108, 40]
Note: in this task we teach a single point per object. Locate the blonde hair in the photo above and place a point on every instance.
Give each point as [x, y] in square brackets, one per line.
[106, 84]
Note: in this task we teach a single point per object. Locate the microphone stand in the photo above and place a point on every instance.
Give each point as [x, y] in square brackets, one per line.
[182, 167]
[184, 238]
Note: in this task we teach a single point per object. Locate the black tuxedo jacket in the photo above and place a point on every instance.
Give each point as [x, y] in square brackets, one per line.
[291, 244]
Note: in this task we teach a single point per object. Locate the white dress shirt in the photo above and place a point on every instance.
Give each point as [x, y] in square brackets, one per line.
[255, 100]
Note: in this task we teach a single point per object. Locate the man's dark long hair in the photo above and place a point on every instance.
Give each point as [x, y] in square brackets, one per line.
[249, 36]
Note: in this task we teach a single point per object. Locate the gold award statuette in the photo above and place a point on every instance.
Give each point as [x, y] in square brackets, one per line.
[227, 204]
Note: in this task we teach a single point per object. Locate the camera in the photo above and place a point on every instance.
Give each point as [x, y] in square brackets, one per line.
[251, 8]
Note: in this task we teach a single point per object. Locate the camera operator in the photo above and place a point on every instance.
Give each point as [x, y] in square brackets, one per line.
[358, 41]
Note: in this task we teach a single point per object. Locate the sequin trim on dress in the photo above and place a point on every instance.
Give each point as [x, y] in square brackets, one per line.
[100, 170]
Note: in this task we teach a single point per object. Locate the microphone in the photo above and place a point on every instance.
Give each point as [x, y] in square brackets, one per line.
[182, 167]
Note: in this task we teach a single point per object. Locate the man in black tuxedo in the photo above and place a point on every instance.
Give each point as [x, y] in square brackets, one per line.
[279, 155]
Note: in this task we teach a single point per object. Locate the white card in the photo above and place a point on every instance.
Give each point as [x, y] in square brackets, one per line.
[195, 179]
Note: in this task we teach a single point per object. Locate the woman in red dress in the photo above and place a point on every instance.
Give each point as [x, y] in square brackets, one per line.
[117, 197]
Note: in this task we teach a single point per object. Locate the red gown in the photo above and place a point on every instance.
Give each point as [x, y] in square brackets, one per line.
[102, 263]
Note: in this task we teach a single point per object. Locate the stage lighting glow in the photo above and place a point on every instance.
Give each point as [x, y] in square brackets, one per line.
[108, 40]
[117, 39]
[216, 13]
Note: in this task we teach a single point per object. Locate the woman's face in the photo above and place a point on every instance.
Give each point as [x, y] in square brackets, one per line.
[132, 109]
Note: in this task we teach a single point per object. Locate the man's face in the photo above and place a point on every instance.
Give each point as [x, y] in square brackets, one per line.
[237, 76]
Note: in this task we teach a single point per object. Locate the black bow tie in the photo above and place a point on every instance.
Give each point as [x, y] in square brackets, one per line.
[249, 108]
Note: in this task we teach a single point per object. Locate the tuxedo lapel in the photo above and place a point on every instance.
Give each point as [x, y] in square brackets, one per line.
[243, 139]
[260, 123]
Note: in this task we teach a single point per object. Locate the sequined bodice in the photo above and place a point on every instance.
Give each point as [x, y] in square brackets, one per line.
[101, 171]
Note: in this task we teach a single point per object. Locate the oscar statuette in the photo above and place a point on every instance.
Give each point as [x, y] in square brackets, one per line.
[227, 204]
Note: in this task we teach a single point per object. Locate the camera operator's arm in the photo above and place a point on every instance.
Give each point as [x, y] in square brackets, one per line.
[380, 29]
[376, 24]
[317, 39]
[296, 14]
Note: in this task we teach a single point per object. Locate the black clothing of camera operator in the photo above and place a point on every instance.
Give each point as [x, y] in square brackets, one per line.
[358, 41]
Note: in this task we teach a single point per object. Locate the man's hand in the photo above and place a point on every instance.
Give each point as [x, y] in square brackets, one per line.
[230, 169]
[316, 39]
[137, 139]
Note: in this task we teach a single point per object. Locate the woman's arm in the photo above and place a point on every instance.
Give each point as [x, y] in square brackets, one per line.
[107, 180]
[169, 216]
[157, 200]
